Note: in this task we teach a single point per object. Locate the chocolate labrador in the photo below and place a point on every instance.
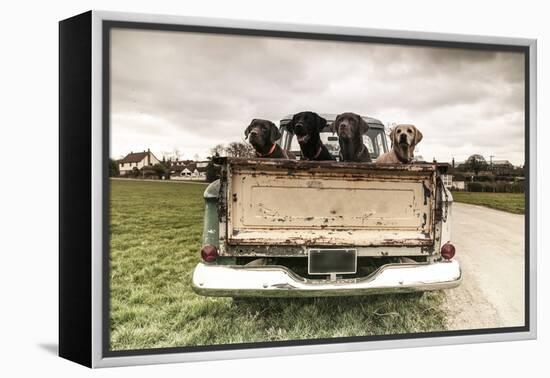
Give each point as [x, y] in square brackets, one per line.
[262, 135]
[350, 128]
[307, 127]
[404, 139]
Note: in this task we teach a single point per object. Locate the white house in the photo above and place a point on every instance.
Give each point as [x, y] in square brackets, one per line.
[196, 170]
[189, 170]
[197, 173]
[459, 185]
[447, 181]
[136, 160]
[452, 184]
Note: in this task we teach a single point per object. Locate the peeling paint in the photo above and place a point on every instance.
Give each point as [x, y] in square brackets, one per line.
[283, 203]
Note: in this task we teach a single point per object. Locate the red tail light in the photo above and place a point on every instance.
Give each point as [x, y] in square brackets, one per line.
[448, 251]
[209, 253]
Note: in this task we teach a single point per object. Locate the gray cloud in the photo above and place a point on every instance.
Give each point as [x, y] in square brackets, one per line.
[191, 91]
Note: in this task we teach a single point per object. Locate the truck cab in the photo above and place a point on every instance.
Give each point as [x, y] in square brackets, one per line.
[374, 139]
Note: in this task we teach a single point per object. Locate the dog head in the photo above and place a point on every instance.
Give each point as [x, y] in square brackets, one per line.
[306, 126]
[404, 138]
[350, 128]
[262, 134]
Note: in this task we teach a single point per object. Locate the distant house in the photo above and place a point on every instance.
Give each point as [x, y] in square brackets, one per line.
[176, 169]
[458, 185]
[200, 172]
[447, 180]
[189, 170]
[452, 184]
[196, 169]
[502, 167]
[502, 163]
[136, 160]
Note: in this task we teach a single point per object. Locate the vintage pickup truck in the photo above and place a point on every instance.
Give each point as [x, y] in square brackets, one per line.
[296, 228]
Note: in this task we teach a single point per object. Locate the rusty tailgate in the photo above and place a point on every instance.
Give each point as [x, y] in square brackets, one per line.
[280, 202]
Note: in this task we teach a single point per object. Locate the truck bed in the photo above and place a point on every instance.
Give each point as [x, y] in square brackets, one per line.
[289, 203]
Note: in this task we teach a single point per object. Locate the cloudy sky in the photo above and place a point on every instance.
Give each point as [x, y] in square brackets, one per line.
[191, 91]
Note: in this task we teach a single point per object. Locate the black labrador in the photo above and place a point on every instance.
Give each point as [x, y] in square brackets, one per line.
[262, 135]
[350, 128]
[307, 127]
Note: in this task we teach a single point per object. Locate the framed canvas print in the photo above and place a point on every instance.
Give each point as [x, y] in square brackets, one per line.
[234, 189]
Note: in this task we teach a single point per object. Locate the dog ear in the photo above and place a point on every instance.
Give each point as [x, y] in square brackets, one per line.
[247, 131]
[274, 133]
[417, 136]
[363, 126]
[392, 135]
[334, 125]
[321, 123]
[290, 126]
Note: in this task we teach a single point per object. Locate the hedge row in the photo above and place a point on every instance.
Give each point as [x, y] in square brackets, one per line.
[496, 187]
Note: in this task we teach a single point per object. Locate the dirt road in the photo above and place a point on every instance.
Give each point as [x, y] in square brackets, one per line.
[490, 248]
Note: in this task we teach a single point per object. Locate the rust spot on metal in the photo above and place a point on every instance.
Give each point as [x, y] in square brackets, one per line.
[427, 193]
[427, 250]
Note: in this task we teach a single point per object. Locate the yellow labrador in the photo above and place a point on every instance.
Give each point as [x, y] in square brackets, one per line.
[403, 140]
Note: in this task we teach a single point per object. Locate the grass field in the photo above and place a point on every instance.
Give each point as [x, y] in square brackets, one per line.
[510, 202]
[155, 238]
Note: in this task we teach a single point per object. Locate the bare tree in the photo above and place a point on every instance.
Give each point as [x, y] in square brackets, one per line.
[389, 127]
[176, 154]
[218, 150]
[233, 149]
[240, 150]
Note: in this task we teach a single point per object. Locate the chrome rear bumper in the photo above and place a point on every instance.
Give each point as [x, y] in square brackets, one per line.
[279, 281]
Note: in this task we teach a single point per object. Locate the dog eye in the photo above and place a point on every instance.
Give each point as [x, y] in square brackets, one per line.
[409, 131]
[398, 131]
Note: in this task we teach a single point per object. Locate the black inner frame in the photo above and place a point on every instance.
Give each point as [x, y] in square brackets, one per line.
[108, 25]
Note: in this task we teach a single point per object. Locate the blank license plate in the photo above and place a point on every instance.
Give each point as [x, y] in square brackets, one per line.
[332, 261]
